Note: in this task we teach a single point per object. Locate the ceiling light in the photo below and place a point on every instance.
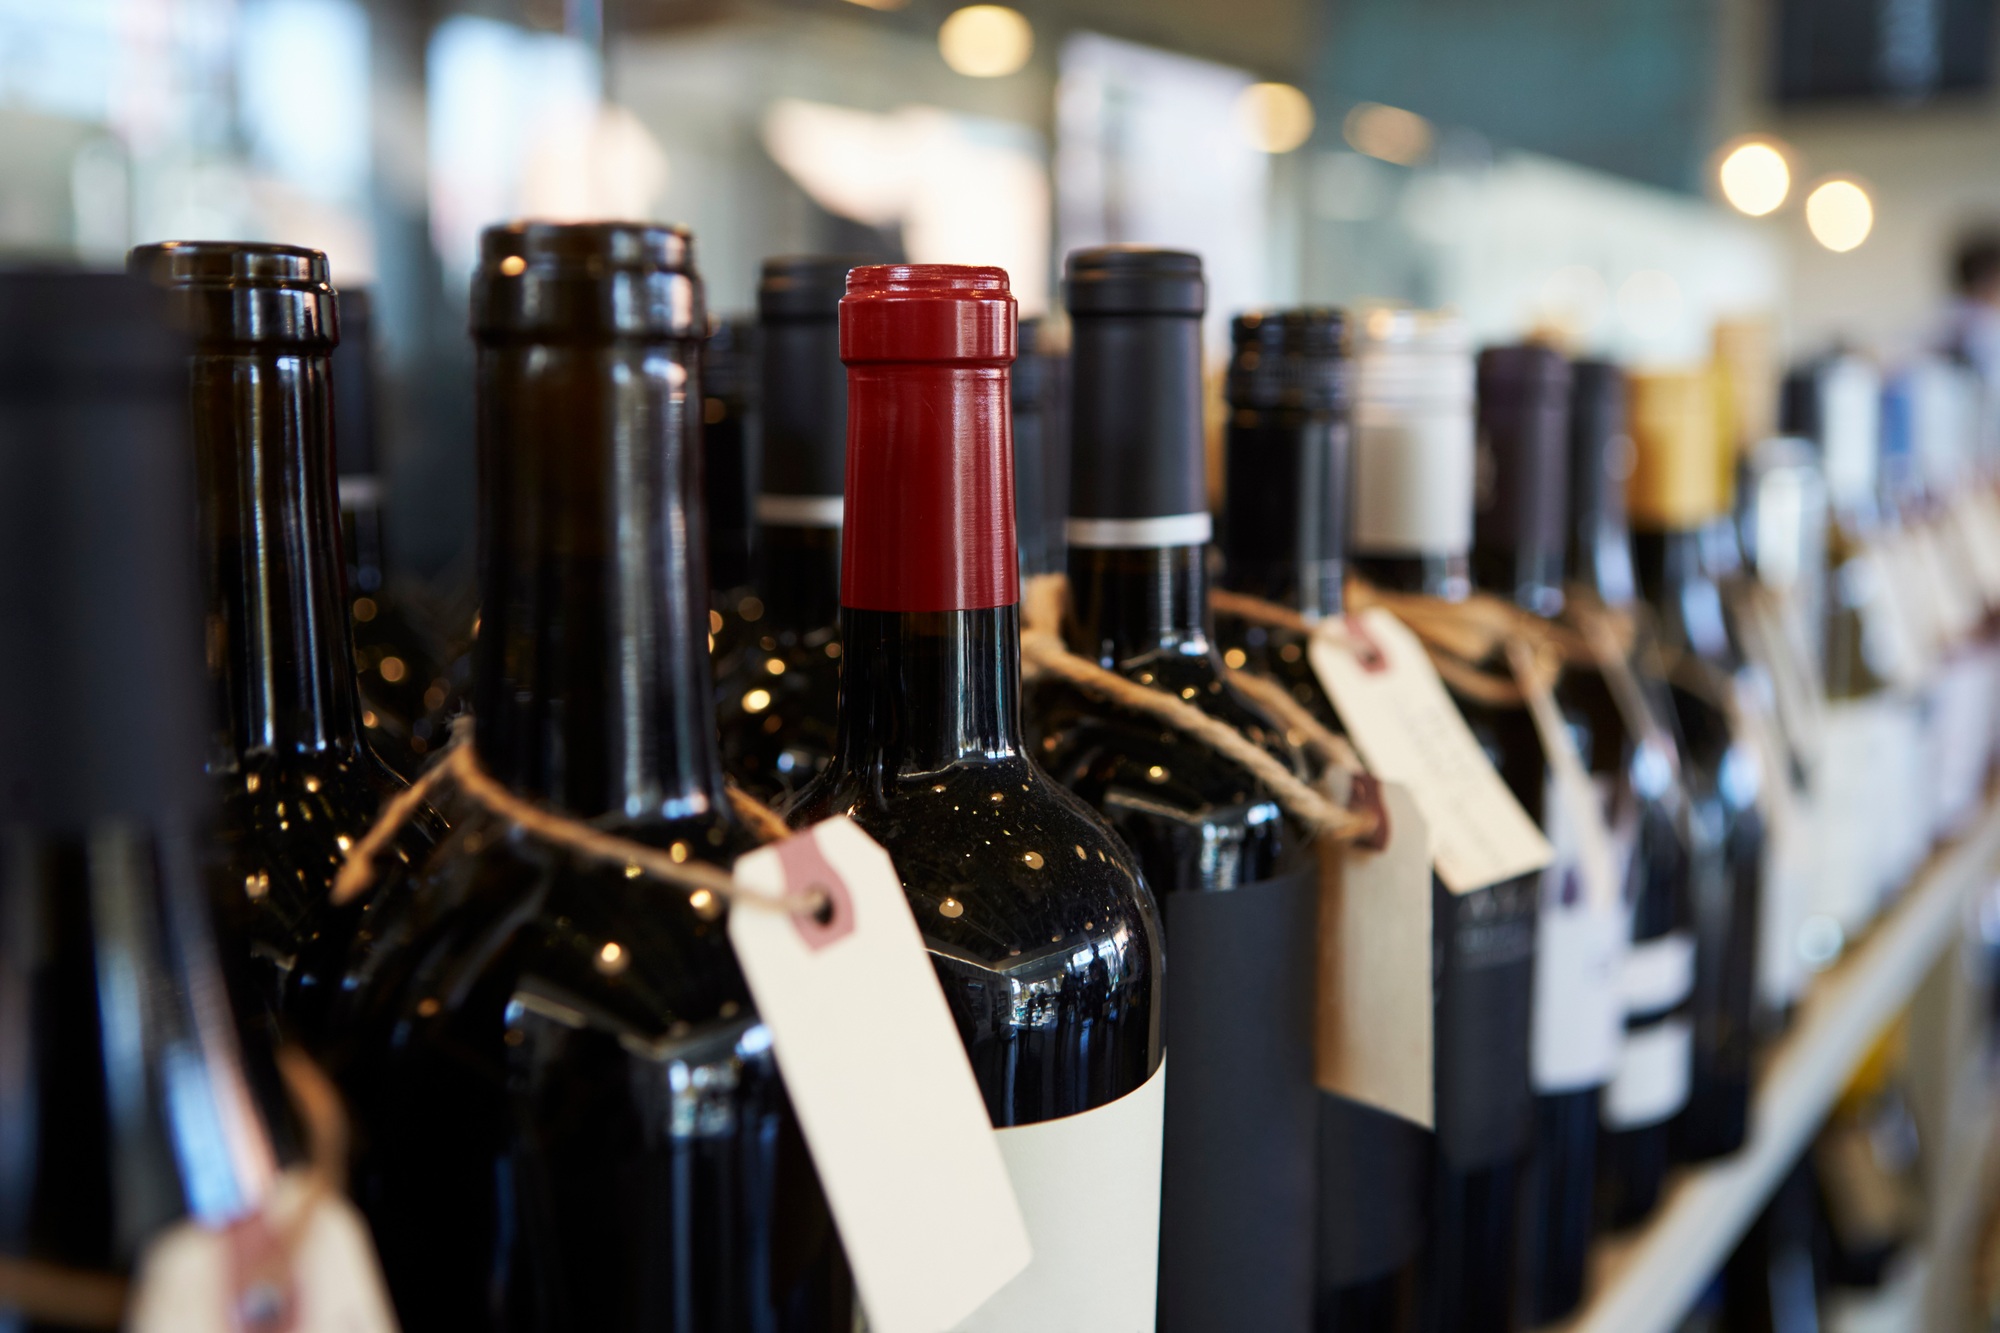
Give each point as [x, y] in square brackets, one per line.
[1276, 117]
[1755, 178]
[986, 41]
[1388, 132]
[1839, 214]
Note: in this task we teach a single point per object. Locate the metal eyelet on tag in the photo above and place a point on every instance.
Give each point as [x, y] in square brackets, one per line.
[262, 1294]
[807, 872]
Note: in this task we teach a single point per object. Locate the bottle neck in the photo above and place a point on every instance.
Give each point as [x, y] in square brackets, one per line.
[1444, 576]
[922, 691]
[1673, 577]
[1601, 559]
[591, 674]
[1133, 602]
[799, 577]
[1529, 577]
[271, 542]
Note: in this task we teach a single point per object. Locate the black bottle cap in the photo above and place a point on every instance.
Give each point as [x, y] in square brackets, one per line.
[1800, 411]
[804, 382]
[245, 291]
[804, 286]
[1135, 396]
[1134, 280]
[354, 384]
[1597, 443]
[1284, 519]
[102, 692]
[1295, 359]
[587, 281]
[1521, 495]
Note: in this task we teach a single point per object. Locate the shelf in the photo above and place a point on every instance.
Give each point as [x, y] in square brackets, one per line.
[1646, 1280]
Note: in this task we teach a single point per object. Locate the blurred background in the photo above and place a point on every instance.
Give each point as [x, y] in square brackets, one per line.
[1618, 176]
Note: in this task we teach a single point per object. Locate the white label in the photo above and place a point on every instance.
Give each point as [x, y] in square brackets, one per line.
[197, 1279]
[1409, 732]
[1089, 1186]
[912, 1169]
[1651, 1084]
[1579, 1019]
[1130, 533]
[1658, 974]
[1373, 1027]
[1413, 477]
[802, 511]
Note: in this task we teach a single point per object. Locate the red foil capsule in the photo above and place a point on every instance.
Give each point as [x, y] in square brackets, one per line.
[930, 444]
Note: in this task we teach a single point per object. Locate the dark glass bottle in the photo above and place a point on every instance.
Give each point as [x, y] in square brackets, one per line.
[1041, 927]
[1521, 535]
[1674, 496]
[1283, 535]
[777, 690]
[1413, 513]
[1647, 811]
[300, 783]
[403, 668]
[129, 1095]
[1236, 879]
[571, 1114]
[1284, 538]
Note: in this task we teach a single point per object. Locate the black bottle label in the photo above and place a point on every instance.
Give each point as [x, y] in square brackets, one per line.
[1240, 1138]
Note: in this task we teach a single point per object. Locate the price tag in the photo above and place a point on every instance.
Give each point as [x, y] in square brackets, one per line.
[876, 1071]
[1408, 730]
[198, 1279]
[1374, 1037]
[1578, 1016]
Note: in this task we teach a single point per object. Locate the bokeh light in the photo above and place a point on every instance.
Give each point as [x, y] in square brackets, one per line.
[1275, 116]
[1840, 214]
[1755, 178]
[986, 41]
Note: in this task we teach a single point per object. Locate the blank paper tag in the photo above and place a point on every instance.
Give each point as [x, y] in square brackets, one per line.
[197, 1279]
[877, 1073]
[1409, 731]
[1374, 1032]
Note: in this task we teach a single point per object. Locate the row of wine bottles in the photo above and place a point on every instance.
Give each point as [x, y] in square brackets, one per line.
[566, 1111]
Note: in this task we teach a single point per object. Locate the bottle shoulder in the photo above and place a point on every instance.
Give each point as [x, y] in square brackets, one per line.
[997, 860]
[286, 824]
[498, 923]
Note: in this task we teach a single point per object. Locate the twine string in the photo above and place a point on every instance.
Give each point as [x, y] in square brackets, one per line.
[1044, 651]
[458, 764]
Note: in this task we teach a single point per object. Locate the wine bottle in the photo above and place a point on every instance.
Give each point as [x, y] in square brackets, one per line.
[1044, 934]
[776, 696]
[1283, 538]
[1520, 540]
[1636, 760]
[1287, 453]
[1236, 879]
[402, 667]
[572, 1115]
[1413, 517]
[1676, 500]
[300, 782]
[131, 1096]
